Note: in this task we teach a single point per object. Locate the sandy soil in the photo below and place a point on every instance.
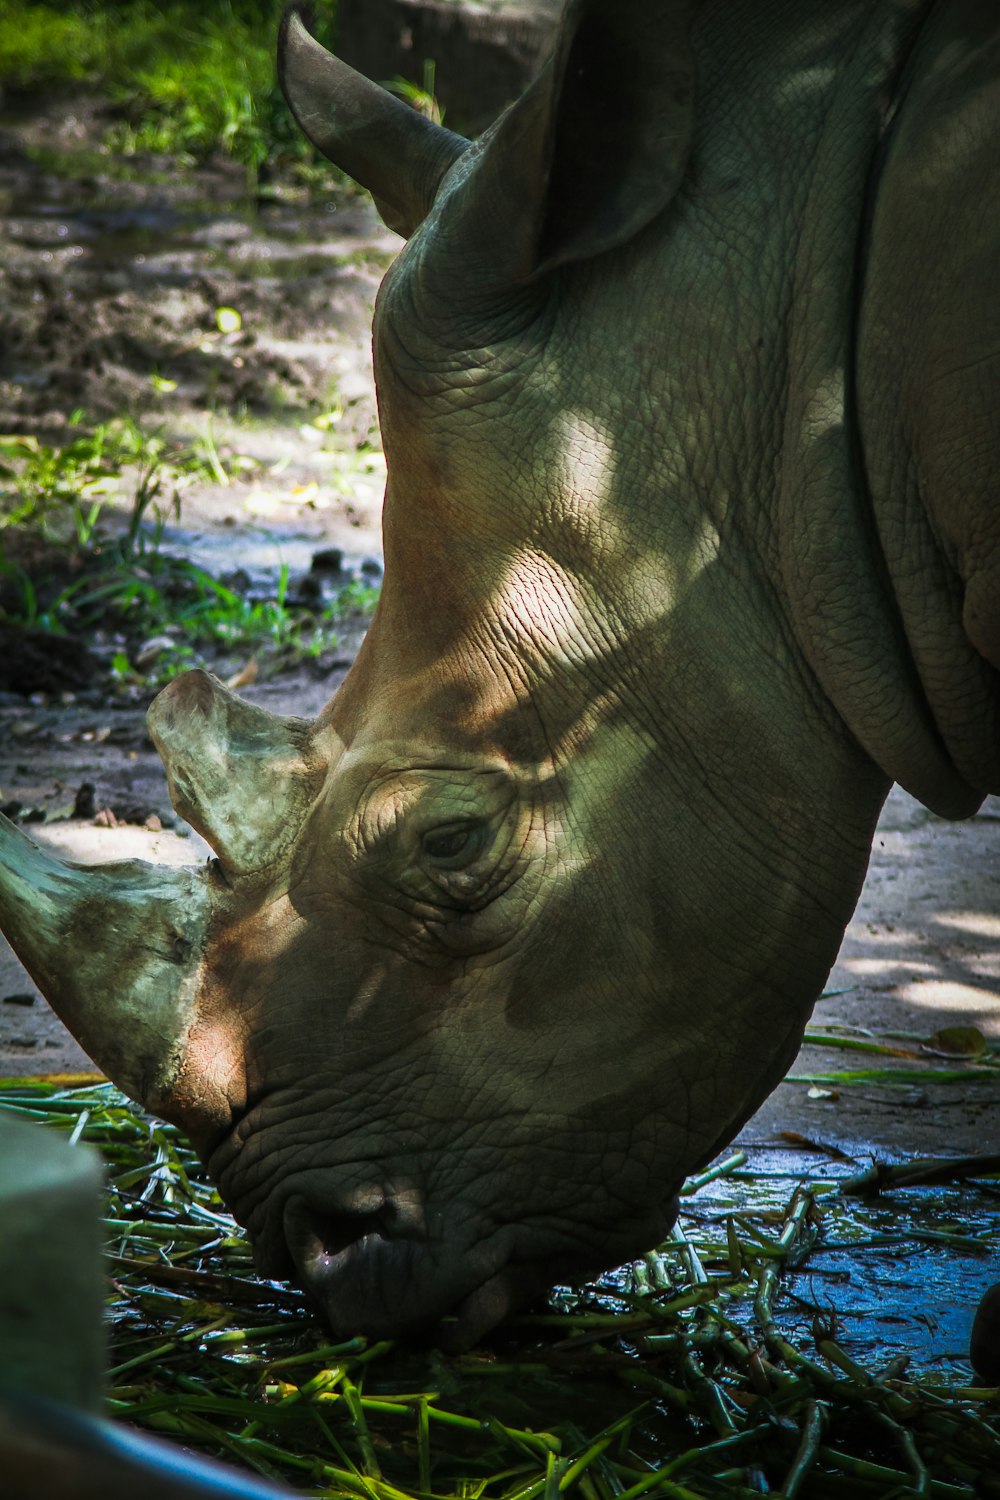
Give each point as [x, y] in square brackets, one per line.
[109, 280]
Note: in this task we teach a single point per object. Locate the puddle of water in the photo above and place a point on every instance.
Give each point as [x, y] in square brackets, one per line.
[874, 1272]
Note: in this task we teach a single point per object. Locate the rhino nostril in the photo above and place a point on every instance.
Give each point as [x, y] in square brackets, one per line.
[315, 1237]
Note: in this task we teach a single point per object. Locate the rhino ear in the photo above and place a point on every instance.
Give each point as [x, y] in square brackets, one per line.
[390, 149]
[593, 150]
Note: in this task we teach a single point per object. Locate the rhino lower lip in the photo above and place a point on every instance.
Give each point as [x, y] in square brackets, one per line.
[512, 1289]
[481, 1311]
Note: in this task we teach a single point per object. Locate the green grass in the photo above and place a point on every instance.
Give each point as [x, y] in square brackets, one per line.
[127, 584]
[194, 612]
[185, 78]
[682, 1378]
[60, 491]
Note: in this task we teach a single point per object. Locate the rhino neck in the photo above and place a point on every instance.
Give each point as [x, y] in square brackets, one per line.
[847, 568]
[927, 383]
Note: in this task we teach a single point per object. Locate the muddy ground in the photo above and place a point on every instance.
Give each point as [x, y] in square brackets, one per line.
[112, 276]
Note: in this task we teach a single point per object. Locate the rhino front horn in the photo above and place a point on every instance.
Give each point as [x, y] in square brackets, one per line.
[116, 949]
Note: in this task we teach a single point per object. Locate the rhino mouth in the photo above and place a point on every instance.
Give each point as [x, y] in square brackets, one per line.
[369, 1273]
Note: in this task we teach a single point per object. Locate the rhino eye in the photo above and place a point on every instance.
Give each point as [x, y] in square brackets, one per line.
[454, 844]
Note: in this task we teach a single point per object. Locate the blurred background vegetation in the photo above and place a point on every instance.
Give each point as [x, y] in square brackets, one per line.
[90, 483]
[185, 77]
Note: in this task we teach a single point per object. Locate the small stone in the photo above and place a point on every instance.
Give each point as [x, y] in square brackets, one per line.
[85, 804]
[308, 590]
[150, 650]
[328, 560]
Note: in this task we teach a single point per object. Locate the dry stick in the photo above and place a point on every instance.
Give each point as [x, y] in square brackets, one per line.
[930, 1171]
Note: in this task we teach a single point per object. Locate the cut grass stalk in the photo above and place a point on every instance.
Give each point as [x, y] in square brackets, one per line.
[807, 1452]
[206, 1353]
[356, 1407]
[924, 1172]
[900, 1077]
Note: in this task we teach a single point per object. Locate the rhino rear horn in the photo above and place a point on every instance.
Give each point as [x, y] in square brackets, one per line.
[242, 777]
[395, 153]
[584, 160]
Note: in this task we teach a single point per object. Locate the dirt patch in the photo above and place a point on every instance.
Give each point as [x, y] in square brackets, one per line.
[111, 281]
[922, 953]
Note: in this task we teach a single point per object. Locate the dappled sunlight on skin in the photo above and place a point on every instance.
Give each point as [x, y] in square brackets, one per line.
[806, 82]
[824, 410]
[586, 590]
[585, 452]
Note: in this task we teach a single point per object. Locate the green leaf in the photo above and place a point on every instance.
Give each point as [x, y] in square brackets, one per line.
[956, 1041]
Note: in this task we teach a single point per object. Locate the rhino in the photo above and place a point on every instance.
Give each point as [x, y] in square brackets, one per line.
[689, 384]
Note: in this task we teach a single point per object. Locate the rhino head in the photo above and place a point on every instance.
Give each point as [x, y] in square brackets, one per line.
[528, 921]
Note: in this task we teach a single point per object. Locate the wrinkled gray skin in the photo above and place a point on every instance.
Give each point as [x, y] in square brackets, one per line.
[689, 378]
